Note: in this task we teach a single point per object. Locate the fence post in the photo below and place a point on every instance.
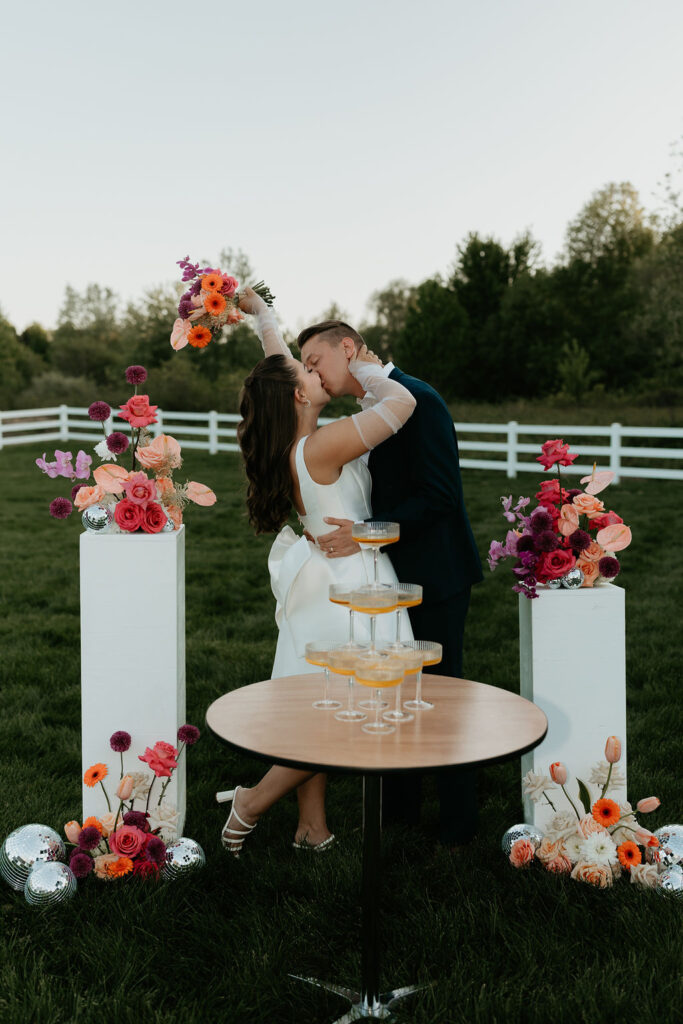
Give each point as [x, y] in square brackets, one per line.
[512, 449]
[0, 431]
[615, 450]
[158, 427]
[63, 423]
[213, 432]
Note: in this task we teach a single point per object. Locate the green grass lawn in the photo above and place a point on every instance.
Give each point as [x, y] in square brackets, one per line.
[499, 945]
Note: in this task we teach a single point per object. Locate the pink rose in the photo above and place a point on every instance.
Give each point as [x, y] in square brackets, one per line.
[560, 865]
[230, 285]
[162, 454]
[588, 825]
[555, 451]
[154, 518]
[140, 489]
[593, 553]
[599, 875]
[88, 496]
[138, 411]
[590, 571]
[522, 853]
[161, 758]
[553, 564]
[608, 519]
[127, 841]
[128, 515]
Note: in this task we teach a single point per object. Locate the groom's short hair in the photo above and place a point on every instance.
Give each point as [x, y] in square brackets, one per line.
[334, 331]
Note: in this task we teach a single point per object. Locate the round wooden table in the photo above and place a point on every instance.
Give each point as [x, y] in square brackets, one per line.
[470, 724]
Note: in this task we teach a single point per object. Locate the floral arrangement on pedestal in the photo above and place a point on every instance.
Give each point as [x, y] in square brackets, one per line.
[603, 843]
[120, 500]
[210, 304]
[569, 539]
[129, 841]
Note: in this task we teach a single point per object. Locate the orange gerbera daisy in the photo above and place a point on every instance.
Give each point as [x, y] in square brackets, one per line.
[94, 823]
[214, 303]
[212, 282]
[628, 854]
[199, 337]
[95, 774]
[606, 812]
[120, 867]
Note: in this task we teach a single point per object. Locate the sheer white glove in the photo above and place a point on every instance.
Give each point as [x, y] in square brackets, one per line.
[395, 404]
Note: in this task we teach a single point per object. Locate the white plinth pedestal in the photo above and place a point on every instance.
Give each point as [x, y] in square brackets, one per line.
[132, 656]
[572, 665]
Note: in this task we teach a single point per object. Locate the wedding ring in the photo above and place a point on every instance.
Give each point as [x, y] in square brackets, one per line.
[331, 548]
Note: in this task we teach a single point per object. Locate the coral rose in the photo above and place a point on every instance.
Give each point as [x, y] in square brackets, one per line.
[588, 825]
[138, 411]
[88, 496]
[549, 493]
[550, 849]
[140, 489]
[522, 853]
[590, 571]
[107, 821]
[608, 519]
[553, 564]
[555, 451]
[127, 841]
[593, 553]
[128, 515]
[230, 285]
[161, 758]
[162, 453]
[103, 865]
[560, 865]
[588, 505]
[154, 518]
[599, 875]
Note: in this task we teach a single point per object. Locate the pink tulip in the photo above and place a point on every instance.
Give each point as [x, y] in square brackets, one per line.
[646, 838]
[647, 804]
[72, 830]
[558, 773]
[125, 788]
[613, 749]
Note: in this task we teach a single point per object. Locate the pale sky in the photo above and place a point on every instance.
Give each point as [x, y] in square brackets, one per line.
[339, 145]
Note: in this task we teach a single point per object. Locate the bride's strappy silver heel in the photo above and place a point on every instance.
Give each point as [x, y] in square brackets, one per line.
[232, 838]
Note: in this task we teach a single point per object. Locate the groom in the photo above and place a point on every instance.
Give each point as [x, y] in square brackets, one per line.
[416, 483]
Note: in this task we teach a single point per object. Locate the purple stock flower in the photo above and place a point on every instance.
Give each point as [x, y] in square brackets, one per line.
[579, 540]
[120, 741]
[540, 520]
[136, 374]
[608, 567]
[61, 508]
[117, 442]
[138, 819]
[188, 734]
[185, 306]
[547, 541]
[155, 849]
[99, 411]
[89, 838]
[81, 864]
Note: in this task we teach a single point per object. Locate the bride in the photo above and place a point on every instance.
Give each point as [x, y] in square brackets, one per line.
[291, 461]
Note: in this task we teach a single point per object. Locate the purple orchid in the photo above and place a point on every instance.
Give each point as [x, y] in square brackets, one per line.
[47, 467]
[83, 463]
[510, 513]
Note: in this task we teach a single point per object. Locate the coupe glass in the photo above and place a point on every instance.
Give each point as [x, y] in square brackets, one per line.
[378, 671]
[374, 599]
[409, 595]
[431, 655]
[342, 661]
[317, 653]
[412, 664]
[375, 535]
[339, 594]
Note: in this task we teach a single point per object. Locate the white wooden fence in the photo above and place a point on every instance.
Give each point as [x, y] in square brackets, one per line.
[514, 449]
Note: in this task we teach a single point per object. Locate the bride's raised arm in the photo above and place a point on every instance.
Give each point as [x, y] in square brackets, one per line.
[265, 323]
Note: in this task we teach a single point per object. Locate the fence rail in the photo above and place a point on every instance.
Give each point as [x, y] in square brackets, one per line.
[216, 432]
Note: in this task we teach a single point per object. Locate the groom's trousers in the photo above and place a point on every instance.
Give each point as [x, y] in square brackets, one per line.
[456, 787]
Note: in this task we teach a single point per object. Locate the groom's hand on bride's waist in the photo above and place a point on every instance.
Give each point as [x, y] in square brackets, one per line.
[339, 542]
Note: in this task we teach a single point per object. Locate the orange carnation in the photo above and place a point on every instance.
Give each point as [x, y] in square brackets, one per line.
[95, 774]
[199, 337]
[629, 854]
[212, 282]
[214, 303]
[606, 812]
[120, 867]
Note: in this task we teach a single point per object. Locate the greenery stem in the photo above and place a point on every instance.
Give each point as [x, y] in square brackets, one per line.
[571, 802]
[121, 755]
[549, 801]
[149, 793]
[105, 795]
[609, 776]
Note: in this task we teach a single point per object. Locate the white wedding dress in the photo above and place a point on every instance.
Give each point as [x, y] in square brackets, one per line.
[301, 574]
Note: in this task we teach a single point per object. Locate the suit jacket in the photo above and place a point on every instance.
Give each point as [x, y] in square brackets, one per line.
[416, 482]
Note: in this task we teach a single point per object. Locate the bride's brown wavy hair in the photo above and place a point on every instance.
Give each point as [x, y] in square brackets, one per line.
[265, 435]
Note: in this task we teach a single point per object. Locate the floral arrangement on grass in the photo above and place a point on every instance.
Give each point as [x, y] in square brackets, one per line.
[136, 501]
[568, 529]
[596, 846]
[129, 841]
[210, 304]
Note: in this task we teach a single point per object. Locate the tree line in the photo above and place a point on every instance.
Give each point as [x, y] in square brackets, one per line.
[607, 317]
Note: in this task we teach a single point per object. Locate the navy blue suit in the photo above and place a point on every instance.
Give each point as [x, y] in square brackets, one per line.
[416, 483]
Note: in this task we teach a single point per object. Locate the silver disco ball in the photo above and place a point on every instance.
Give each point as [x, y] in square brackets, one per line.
[25, 847]
[97, 518]
[522, 831]
[553, 584]
[169, 525]
[670, 849]
[573, 579]
[671, 881]
[49, 884]
[182, 856]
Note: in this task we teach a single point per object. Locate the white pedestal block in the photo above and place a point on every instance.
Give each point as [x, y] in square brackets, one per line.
[572, 665]
[132, 656]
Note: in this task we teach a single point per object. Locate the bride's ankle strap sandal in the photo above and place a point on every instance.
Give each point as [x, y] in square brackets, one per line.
[233, 838]
[302, 844]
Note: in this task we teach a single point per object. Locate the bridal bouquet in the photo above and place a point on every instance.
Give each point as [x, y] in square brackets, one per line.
[129, 841]
[210, 304]
[594, 845]
[568, 538]
[133, 499]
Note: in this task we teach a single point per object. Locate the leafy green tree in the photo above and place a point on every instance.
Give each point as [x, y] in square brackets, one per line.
[37, 339]
[146, 327]
[430, 346]
[388, 308]
[657, 326]
[18, 364]
[87, 342]
[530, 332]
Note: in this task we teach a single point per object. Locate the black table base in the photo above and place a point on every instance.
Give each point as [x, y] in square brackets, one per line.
[369, 1001]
